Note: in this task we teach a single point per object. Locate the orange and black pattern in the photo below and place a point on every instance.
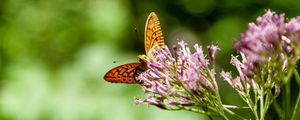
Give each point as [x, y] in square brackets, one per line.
[127, 73]
[153, 34]
[123, 73]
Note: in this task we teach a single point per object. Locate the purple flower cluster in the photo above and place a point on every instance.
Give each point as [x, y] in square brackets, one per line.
[180, 80]
[266, 48]
[241, 83]
[270, 38]
[186, 80]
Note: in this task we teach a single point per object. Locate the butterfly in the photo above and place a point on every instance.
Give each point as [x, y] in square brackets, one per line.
[127, 73]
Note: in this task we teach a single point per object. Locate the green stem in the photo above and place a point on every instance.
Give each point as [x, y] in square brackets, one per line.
[288, 76]
[253, 107]
[234, 107]
[287, 99]
[195, 110]
[277, 109]
[297, 76]
[232, 113]
[255, 104]
[296, 111]
[203, 112]
[224, 116]
[261, 104]
[286, 95]
[268, 101]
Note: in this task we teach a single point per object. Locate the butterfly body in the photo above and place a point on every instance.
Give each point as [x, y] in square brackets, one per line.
[127, 73]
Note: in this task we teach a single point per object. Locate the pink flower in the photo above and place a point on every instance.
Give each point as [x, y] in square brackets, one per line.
[184, 79]
[268, 48]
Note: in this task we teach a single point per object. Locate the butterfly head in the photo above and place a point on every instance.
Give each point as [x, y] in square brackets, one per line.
[143, 59]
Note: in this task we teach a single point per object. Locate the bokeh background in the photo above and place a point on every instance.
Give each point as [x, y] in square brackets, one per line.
[54, 53]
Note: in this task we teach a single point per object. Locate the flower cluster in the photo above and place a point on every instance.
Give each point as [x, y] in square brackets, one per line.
[179, 80]
[266, 48]
[269, 49]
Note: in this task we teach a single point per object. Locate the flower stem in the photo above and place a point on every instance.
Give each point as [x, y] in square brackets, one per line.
[296, 112]
[252, 106]
[232, 113]
[195, 110]
[286, 94]
[288, 76]
[277, 108]
[255, 104]
[262, 103]
[287, 100]
[235, 107]
[203, 112]
[297, 76]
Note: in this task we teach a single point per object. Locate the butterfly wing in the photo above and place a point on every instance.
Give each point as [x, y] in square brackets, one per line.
[123, 74]
[126, 73]
[153, 34]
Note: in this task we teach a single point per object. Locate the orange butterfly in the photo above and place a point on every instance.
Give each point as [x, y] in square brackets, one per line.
[128, 72]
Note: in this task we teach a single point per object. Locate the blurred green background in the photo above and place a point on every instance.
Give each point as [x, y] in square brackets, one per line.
[54, 53]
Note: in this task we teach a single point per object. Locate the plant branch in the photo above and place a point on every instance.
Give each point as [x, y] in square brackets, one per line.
[296, 111]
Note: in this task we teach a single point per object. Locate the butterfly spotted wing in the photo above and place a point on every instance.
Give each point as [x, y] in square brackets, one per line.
[123, 73]
[153, 34]
[127, 73]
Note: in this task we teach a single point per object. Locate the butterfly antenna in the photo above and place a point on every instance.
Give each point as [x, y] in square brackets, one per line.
[136, 32]
[126, 59]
